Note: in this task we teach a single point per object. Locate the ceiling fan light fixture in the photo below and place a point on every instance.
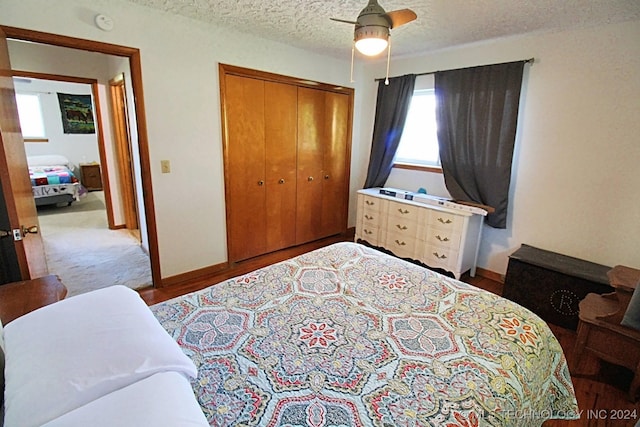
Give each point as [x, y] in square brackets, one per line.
[371, 40]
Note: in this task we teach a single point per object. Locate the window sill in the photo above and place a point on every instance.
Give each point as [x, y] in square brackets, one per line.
[415, 167]
[36, 139]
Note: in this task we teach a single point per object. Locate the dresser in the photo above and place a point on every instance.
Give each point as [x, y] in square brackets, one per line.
[440, 237]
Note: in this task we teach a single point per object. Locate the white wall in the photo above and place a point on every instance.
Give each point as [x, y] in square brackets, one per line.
[180, 75]
[576, 170]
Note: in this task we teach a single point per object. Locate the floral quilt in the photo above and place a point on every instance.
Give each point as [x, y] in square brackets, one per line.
[349, 336]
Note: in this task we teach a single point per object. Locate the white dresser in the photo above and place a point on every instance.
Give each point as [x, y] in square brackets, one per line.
[446, 237]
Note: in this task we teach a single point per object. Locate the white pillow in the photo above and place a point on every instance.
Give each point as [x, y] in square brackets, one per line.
[164, 399]
[48, 160]
[70, 353]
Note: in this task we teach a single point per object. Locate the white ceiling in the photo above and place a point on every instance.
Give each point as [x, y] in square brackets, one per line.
[440, 24]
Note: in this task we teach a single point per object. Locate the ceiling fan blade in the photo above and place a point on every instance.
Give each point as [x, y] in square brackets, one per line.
[401, 17]
[344, 21]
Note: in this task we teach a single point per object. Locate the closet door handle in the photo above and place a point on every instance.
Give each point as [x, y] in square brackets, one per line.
[310, 179]
[281, 181]
[261, 182]
[326, 177]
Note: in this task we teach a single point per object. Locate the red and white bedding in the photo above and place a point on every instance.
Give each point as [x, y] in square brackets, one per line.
[349, 336]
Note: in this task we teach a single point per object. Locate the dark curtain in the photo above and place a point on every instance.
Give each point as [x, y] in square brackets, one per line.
[477, 113]
[392, 106]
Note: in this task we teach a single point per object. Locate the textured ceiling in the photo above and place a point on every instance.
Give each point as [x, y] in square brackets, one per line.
[440, 24]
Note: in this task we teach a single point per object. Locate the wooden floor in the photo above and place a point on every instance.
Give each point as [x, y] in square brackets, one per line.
[600, 388]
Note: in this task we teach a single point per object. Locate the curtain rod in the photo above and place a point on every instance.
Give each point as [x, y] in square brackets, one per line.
[526, 61]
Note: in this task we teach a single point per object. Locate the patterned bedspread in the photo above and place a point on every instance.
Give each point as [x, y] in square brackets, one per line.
[53, 181]
[47, 175]
[348, 336]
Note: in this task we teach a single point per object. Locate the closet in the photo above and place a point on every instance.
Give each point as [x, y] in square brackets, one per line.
[287, 153]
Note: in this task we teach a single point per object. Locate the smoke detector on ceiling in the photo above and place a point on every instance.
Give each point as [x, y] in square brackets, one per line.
[104, 22]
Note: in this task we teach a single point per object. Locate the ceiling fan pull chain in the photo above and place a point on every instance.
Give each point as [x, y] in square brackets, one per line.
[386, 80]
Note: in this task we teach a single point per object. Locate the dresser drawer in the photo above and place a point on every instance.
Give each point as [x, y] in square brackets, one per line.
[441, 257]
[372, 218]
[371, 204]
[452, 223]
[404, 211]
[442, 237]
[402, 245]
[369, 233]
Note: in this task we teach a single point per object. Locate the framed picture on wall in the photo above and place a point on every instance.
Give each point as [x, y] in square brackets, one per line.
[77, 113]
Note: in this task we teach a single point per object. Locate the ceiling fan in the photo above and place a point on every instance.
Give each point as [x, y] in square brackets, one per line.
[371, 35]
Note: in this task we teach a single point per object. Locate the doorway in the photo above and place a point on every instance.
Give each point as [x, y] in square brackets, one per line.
[143, 170]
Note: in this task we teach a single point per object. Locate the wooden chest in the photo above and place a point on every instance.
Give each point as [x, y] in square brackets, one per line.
[552, 285]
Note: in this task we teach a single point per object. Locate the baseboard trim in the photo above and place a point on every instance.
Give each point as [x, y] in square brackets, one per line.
[215, 272]
[491, 275]
[194, 276]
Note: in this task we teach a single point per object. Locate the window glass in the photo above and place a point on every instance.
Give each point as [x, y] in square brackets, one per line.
[30, 113]
[419, 142]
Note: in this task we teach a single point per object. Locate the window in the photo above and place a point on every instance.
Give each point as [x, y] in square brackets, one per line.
[30, 114]
[419, 143]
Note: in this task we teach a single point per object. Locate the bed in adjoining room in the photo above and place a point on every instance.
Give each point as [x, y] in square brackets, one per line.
[348, 336]
[52, 180]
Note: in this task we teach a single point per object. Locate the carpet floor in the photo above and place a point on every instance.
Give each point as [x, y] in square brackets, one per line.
[85, 254]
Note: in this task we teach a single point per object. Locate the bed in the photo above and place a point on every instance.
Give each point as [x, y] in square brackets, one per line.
[52, 180]
[350, 336]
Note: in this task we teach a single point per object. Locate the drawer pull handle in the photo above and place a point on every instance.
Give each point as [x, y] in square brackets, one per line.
[400, 243]
[368, 217]
[403, 211]
[367, 232]
[261, 183]
[437, 255]
[442, 239]
[447, 221]
[401, 227]
[281, 181]
[370, 203]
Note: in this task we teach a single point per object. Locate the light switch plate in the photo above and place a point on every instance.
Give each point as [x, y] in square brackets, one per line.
[165, 166]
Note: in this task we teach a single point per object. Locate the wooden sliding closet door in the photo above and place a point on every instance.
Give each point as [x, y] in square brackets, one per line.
[286, 153]
[335, 179]
[311, 129]
[323, 135]
[245, 167]
[280, 142]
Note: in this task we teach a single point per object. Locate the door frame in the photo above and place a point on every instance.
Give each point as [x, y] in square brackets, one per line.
[124, 161]
[133, 54]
